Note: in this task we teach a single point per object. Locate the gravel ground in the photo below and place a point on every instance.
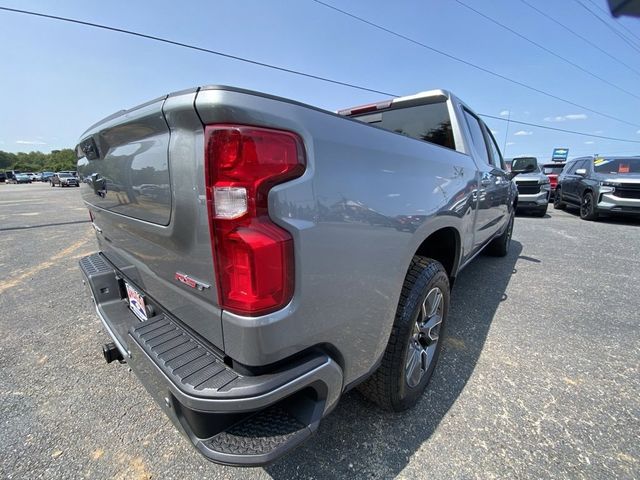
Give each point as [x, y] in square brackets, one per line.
[539, 377]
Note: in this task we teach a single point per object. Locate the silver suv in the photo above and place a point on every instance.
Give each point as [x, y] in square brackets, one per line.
[600, 185]
[533, 188]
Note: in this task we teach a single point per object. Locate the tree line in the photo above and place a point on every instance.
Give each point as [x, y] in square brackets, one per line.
[55, 161]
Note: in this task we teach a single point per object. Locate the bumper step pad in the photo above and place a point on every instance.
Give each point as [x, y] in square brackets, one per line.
[183, 358]
[260, 434]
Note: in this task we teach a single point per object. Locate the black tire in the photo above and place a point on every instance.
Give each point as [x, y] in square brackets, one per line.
[391, 384]
[499, 246]
[558, 204]
[541, 212]
[52, 185]
[588, 207]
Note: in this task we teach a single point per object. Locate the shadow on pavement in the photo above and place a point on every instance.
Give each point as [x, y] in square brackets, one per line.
[358, 440]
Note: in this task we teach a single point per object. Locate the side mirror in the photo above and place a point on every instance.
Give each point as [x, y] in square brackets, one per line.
[582, 172]
[528, 168]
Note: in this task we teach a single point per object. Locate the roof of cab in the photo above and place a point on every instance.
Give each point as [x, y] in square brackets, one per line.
[419, 98]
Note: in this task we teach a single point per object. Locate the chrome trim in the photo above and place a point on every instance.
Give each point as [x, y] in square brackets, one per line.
[125, 353]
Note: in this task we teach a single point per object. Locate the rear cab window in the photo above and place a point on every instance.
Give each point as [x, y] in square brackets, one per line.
[429, 123]
[552, 169]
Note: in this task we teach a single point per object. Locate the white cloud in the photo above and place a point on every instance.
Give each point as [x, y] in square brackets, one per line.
[523, 133]
[511, 143]
[589, 142]
[495, 132]
[30, 142]
[504, 113]
[638, 132]
[564, 118]
[599, 132]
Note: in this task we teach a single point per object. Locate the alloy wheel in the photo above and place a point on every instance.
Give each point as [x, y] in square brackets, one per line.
[586, 206]
[424, 338]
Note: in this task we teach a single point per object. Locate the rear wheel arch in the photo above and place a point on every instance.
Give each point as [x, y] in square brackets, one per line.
[443, 245]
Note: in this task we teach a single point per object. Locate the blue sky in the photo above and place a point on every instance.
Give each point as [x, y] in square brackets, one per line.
[59, 78]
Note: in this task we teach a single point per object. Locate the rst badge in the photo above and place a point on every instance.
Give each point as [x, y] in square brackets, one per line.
[190, 281]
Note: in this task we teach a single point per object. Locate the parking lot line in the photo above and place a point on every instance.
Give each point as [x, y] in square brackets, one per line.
[15, 281]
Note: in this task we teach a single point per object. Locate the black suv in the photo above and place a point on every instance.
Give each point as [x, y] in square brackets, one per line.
[600, 185]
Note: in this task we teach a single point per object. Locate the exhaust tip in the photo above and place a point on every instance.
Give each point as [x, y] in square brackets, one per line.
[111, 353]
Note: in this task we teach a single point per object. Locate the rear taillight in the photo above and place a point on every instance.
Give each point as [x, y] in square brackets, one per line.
[253, 256]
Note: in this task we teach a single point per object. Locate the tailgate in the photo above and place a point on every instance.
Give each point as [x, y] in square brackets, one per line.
[142, 177]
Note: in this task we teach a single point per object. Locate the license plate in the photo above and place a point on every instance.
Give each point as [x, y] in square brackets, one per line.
[136, 302]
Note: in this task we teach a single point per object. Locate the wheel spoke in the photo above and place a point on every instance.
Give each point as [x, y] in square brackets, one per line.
[431, 303]
[414, 367]
[430, 328]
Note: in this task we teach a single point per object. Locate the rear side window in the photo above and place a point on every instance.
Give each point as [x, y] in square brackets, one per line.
[477, 137]
[498, 161]
[430, 123]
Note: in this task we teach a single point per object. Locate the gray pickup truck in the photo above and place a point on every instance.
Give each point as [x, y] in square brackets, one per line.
[260, 257]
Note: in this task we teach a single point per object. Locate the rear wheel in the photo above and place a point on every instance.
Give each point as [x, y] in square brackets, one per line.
[541, 212]
[588, 207]
[416, 338]
[499, 247]
[558, 204]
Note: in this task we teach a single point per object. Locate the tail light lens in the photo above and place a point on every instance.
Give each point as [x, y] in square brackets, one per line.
[253, 256]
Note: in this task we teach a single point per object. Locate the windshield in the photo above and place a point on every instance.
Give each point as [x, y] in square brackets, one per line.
[617, 165]
[64, 175]
[521, 163]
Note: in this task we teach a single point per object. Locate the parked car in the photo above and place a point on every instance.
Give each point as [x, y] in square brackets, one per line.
[64, 179]
[265, 284]
[600, 185]
[22, 178]
[35, 177]
[533, 187]
[553, 171]
[46, 176]
[11, 175]
[3, 177]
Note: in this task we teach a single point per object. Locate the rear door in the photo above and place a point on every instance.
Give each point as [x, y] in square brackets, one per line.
[570, 181]
[490, 189]
[142, 176]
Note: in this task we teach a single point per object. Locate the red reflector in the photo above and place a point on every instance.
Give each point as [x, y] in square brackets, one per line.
[253, 255]
[364, 109]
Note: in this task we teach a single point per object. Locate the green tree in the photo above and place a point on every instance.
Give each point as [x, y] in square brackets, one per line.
[55, 161]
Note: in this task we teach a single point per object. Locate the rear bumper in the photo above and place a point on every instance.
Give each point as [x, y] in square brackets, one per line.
[229, 417]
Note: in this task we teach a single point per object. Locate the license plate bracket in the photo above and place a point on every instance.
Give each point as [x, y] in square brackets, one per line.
[136, 302]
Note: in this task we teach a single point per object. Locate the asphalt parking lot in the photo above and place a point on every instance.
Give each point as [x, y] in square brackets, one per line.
[539, 377]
